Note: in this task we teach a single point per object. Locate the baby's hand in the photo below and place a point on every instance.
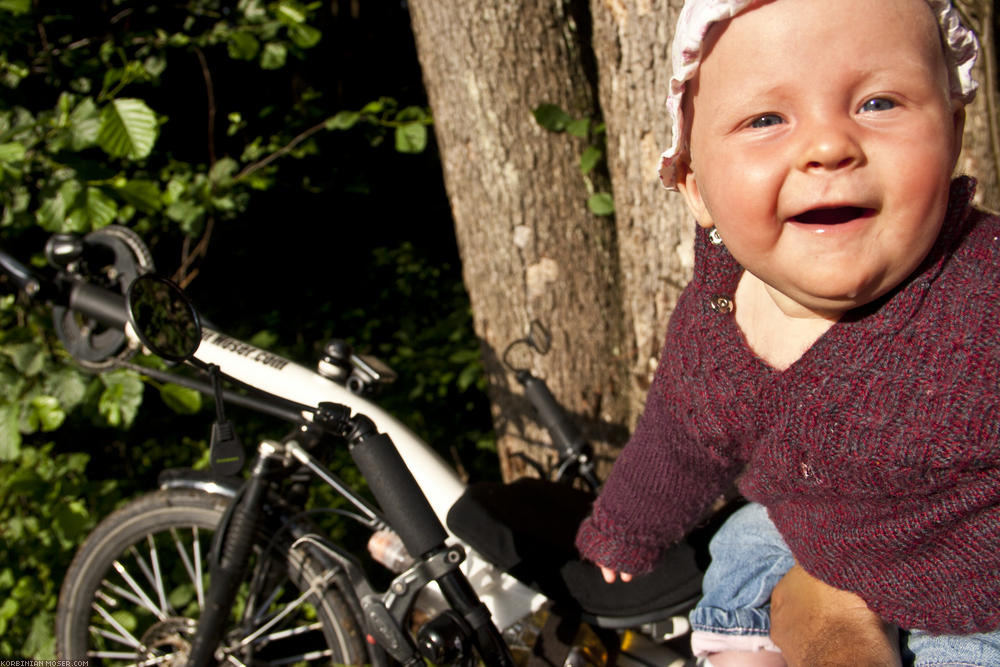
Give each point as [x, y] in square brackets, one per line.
[609, 574]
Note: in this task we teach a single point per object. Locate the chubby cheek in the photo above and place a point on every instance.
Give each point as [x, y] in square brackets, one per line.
[742, 197]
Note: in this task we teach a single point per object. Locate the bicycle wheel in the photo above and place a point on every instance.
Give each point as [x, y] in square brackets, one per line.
[135, 589]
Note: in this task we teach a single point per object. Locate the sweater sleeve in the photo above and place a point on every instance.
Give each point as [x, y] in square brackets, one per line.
[659, 487]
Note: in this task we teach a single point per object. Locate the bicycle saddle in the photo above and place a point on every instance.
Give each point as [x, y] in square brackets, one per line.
[527, 529]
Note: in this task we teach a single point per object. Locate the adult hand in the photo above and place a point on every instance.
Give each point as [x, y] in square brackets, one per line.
[817, 625]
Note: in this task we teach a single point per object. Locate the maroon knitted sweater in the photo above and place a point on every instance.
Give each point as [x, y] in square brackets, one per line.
[877, 453]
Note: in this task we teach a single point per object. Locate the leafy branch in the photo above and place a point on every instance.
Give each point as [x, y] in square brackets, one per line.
[554, 119]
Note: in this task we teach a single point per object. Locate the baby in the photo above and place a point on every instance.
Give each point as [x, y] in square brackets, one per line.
[836, 352]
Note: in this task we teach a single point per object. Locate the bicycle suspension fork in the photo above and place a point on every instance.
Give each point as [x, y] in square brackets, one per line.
[228, 570]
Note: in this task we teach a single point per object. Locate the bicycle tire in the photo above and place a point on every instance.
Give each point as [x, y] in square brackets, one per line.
[131, 595]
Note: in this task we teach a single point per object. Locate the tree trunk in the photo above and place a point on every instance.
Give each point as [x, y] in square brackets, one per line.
[655, 231]
[530, 249]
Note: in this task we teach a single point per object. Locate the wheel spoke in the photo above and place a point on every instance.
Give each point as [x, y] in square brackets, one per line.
[137, 589]
[194, 571]
[157, 575]
[304, 657]
[126, 635]
[151, 577]
[285, 611]
[111, 635]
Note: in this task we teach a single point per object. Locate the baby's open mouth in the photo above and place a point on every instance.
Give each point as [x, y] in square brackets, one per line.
[833, 216]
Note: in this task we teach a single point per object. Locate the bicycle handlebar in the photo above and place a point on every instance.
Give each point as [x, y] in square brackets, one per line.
[23, 277]
[565, 435]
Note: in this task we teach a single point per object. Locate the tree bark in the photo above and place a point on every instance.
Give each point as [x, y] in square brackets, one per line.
[655, 231]
[530, 249]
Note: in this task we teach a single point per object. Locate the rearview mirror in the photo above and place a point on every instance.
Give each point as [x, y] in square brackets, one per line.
[163, 318]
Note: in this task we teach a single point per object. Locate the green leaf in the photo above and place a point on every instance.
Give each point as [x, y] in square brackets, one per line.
[579, 128]
[28, 358]
[120, 400]
[181, 400]
[16, 6]
[376, 107]
[411, 138]
[144, 195]
[242, 45]
[223, 170]
[291, 13]
[53, 214]
[12, 152]
[84, 124]
[10, 434]
[48, 412]
[552, 117]
[343, 120]
[71, 518]
[274, 55]
[413, 113]
[304, 36]
[128, 129]
[67, 385]
[591, 156]
[8, 609]
[601, 204]
[100, 208]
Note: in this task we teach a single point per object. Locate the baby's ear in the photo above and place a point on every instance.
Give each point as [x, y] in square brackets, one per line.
[687, 184]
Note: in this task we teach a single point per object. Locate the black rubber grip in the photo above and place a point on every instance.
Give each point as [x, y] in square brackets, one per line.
[103, 305]
[397, 493]
[565, 436]
[19, 273]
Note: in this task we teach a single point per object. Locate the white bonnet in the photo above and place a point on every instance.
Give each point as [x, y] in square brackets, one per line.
[697, 16]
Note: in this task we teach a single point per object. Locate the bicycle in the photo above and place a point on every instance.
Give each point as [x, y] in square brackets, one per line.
[215, 567]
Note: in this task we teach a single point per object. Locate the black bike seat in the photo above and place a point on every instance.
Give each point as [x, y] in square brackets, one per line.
[527, 528]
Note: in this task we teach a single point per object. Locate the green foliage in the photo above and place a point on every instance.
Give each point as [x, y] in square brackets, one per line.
[88, 92]
[554, 119]
[409, 124]
[106, 115]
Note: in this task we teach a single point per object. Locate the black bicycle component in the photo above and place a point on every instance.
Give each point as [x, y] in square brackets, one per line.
[228, 572]
[565, 435]
[109, 258]
[99, 305]
[225, 448]
[487, 639]
[397, 492]
[444, 640]
[23, 277]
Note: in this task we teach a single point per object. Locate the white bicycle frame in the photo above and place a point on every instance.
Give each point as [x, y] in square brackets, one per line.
[507, 599]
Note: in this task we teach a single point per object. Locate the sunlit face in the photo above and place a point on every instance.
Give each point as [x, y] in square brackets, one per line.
[823, 140]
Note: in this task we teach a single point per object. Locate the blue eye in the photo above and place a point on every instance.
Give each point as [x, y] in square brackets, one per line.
[767, 120]
[878, 104]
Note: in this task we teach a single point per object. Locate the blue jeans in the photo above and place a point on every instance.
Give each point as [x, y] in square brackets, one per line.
[749, 558]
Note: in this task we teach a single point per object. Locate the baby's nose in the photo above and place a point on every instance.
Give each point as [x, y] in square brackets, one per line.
[829, 146]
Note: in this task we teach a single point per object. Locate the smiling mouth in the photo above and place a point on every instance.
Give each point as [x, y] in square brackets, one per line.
[833, 216]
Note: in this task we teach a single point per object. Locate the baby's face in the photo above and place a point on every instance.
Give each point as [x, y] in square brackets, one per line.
[823, 140]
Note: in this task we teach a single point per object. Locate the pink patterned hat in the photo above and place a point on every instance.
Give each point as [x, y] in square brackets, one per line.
[697, 16]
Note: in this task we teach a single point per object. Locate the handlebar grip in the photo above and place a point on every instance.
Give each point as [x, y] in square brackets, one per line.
[565, 435]
[103, 305]
[22, 276]
[398, 494]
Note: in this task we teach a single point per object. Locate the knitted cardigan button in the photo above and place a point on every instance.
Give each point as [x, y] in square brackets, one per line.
[721, 304]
